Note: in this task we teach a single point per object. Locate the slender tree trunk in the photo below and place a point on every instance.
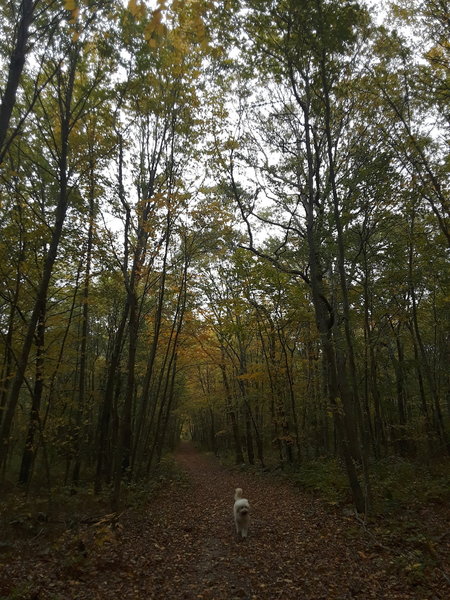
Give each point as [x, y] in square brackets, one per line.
[82, 387]
[353, 403]
[367, 394]
[126, 418]
[162, 434]
[41, 297]
[239, 457]
[168, 363]
[371, 378]
[30, 450]
[325, 322]
[109, 418]
[400, 440]
[380, 435]
[425, 363]
[143, 420]
[248, 437]
[249, 417]
[292, 398]
[107, 405]
[269, 353]
[15, 68]
[7, 367]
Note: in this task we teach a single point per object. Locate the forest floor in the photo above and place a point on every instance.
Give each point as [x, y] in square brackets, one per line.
[183, 546]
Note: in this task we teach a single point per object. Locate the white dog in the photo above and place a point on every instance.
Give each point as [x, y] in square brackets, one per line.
[241, 512]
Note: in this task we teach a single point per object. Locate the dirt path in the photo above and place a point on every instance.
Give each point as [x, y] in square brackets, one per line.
[184, 547]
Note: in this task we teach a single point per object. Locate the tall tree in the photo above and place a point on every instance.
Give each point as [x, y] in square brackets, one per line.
[308, 51]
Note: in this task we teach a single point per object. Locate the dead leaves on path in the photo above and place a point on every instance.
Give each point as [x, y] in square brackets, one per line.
[183, 546]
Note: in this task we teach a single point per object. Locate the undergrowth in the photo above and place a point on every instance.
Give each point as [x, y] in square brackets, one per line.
[396, 483]
[408, 502]
[45, 513]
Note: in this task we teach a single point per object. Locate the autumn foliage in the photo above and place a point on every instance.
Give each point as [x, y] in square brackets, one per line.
[225, 222]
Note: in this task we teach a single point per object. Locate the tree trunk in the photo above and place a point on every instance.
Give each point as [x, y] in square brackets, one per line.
[15, 68]
[106, 409]
[143, 419]
[352, 400]
[7, 367]
[41, 297]
[400, 436]
[438, 418]
[30, 451]
[239, 457]
[248, 437]
[82, 387]
[325, 322]
[168, 365]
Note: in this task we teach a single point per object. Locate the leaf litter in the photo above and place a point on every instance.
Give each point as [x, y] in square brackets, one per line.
[183, 546]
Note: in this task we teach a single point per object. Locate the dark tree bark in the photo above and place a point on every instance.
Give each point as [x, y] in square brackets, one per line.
[231, 413]
[82, 385]
[106, 409]
[15, 68]
[438, 417]
[8, 361]
[41, 297]
[29, 452]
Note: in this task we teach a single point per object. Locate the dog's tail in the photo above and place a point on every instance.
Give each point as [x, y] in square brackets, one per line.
[238, 494]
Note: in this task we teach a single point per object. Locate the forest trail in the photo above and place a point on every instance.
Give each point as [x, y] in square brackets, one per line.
[184, 547]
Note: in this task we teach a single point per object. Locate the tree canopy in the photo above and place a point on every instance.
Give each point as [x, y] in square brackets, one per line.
[227, 221]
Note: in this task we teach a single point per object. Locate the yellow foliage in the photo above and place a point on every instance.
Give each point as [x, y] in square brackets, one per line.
[254, 376]
[178, 42]
[138, 10]
[231, 145]
[154, 29]
[133, 7]
[436, 56]
[70, 5]
[75, 15]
